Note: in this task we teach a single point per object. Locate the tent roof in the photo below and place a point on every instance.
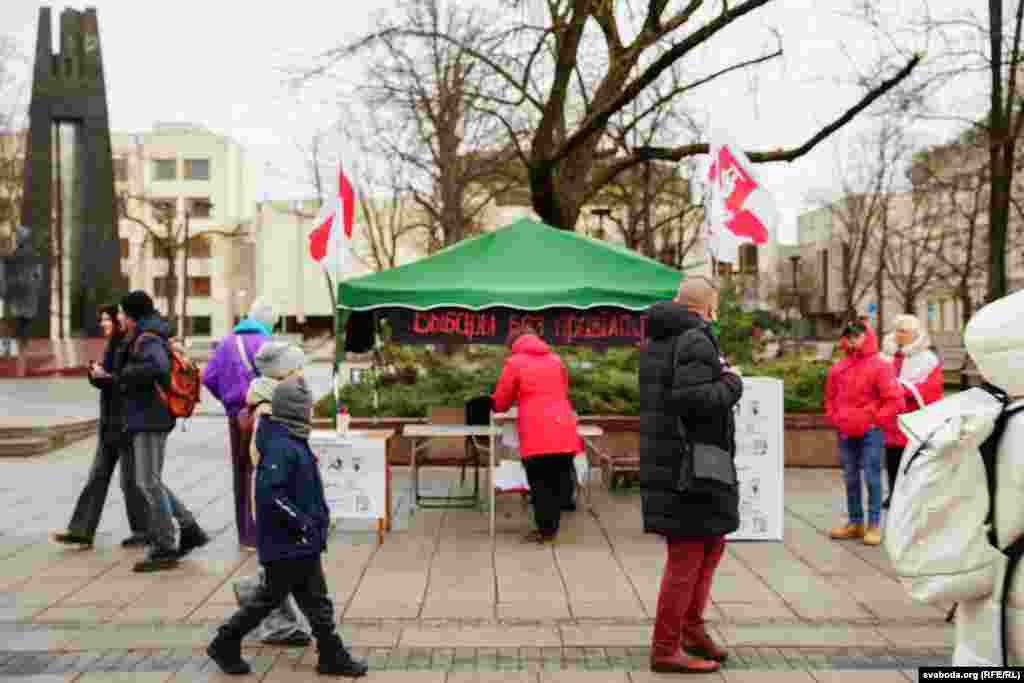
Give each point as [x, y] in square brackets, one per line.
[526, 265]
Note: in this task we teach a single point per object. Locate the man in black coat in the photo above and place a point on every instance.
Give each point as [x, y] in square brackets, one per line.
[687, 397]
[147, 422]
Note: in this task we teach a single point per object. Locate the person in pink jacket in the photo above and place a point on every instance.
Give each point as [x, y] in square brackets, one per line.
[919, 372]
[536, 379]
[862, 395]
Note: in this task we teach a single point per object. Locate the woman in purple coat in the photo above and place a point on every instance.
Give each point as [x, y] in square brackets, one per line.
[227, 377]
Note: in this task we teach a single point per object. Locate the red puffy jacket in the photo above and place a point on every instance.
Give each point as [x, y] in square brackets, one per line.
[919, 372]
[861, 391]
[535, 378]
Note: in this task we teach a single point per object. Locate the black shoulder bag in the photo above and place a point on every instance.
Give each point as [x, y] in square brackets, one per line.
[704, 468]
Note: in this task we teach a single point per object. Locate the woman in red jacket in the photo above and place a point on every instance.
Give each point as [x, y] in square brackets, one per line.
[861, 395]
[919, 371]
[535, 378]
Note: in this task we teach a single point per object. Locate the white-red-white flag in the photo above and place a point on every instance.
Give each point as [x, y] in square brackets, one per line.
[740, 210]
[330, 242]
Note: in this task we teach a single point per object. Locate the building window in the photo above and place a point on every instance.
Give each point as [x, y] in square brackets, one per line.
[163, 209]
[165, 169]
[199, 287]
[126, 248]
[120, 169]
[199, 325]
[199, 247]
[197, 169]
[162, 286]
[748, 259]
[199, 207]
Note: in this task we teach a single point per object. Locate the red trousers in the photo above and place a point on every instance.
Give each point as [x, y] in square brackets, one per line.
[685, 590]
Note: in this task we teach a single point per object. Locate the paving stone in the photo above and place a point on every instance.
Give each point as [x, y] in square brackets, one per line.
[765, 676]
[859, 676]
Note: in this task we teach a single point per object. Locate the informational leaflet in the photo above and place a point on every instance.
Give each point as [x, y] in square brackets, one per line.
[353, 471]
[759, 460]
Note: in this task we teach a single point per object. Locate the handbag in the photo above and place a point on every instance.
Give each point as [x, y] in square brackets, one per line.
[704, 467]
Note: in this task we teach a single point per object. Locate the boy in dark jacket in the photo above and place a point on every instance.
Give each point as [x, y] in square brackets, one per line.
[148, 421]
[292, 521]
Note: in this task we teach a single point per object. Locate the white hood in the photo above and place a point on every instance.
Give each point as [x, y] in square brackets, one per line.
[995, 339]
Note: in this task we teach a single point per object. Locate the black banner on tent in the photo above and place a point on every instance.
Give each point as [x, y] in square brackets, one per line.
[603, 326]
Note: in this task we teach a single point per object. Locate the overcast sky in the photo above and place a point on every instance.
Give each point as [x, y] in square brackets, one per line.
[216, 63]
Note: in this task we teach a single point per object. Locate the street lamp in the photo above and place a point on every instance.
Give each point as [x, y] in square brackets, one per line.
[601, 213]
[206, 206]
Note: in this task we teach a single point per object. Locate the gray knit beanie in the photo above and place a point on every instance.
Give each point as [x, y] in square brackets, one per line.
[277, 360]
[293, 402]
[263, 311]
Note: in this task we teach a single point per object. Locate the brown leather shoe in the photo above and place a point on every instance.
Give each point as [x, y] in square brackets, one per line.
[873, 536]
[698, 643]
[843, 533]
[679, 663]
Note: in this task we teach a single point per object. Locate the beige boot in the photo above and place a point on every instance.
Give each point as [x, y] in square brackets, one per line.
[873, 536]
[843, 533]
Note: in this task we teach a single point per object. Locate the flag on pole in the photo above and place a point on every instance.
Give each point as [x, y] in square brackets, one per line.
[330, 241]
[740, 210]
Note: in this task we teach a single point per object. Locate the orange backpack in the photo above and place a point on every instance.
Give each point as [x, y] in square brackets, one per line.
[181, 395]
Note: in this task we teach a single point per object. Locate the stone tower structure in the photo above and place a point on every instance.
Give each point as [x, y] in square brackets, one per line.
[69, 88]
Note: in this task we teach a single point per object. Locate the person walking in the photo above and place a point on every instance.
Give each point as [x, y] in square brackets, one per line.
[112, 450]
[148, 421]
[227, 376]
[292, 526]
[535, 378]
[861, 395]
[687, 433]
[919, 372]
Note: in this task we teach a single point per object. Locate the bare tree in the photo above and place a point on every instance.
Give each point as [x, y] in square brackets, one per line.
[912, 266]
[542, 78]
[423, 110]
[974, 65]
[12, 140]
[164, 231]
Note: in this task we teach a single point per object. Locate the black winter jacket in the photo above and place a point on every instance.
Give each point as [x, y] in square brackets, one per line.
[111, 410]
[697, 391]
[147, 361]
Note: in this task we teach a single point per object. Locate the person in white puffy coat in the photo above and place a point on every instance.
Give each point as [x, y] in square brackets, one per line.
[995, 340]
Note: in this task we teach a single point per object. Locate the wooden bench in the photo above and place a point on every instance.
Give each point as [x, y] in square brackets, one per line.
[617, 466]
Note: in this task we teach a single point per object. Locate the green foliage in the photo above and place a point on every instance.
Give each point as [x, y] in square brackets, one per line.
[803, 380]
[600, 382]
[737, 325]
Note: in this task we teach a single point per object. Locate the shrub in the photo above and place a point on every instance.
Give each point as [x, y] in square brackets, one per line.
[803, 381]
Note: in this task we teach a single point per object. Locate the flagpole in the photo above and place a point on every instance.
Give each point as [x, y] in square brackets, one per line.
[339, 331]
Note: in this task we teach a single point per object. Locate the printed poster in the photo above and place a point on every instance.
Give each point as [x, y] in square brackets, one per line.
[353, 471]
[759, 460]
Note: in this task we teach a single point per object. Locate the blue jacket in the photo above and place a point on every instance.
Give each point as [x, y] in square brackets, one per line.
[292, 517]
[147, 361]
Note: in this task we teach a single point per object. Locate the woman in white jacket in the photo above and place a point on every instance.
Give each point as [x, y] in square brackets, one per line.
[995, 339]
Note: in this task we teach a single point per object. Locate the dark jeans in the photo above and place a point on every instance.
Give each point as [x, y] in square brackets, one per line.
[893, 455]
[551, 480]
[241, 466]
[303, 578]
[863, 454]
[161, 505]
[685, 589]
[89, 508]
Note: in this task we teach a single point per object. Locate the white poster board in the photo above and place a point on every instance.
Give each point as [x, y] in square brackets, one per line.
[759, 460]
[353, 470]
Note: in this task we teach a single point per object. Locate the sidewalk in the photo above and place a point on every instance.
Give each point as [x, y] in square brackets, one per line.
[436, 602]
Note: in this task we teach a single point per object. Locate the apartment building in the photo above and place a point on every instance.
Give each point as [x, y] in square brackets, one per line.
[180, 176]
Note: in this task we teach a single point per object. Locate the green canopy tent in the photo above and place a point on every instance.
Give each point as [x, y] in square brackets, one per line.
[570, 288]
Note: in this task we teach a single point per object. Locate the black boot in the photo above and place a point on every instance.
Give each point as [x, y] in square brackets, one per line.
[136, 540]
[227, 653]
[157, 559]
[335, 660]
[192, 537]
[73, 538]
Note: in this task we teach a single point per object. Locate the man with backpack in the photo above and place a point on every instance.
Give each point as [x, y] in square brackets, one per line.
[227, 377]
[145, 381]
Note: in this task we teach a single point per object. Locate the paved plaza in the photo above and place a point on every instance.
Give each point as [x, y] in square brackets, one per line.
[437, 602]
